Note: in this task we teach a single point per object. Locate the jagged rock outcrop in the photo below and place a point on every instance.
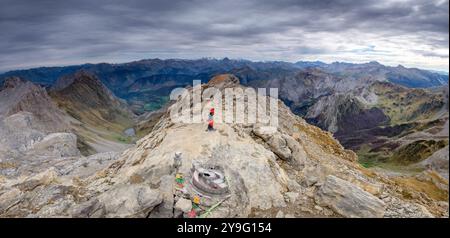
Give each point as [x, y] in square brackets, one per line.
[18, 95]
[32, 129]
[84, 91]
[345, 114]
[135, 200]
[294, 169]
[348, 199]
[36, 135]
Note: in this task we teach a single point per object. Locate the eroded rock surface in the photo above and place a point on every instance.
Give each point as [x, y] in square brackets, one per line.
[348, 199]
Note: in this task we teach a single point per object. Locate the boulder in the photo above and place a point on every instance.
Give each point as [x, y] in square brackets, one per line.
[275, 140]
[348, 199]
[165, 209]
[183, 205]
[130, 200]
[60, 144]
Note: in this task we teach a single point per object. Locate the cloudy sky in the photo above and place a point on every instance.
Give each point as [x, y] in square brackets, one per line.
[413, 33]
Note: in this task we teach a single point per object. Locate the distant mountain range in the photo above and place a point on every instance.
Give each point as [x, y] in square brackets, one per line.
[146, 83]
[369, 107]
[410, 77]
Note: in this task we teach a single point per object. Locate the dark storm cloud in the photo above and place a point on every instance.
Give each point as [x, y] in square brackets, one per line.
[64, 32]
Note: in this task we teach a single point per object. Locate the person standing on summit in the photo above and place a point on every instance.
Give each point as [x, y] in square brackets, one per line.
[211, 119]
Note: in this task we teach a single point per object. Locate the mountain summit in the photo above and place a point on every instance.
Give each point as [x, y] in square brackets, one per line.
[20, 95]
[236, 170]
[103, 116]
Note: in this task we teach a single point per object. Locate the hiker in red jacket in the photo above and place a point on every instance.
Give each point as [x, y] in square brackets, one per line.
[211, 125]
[211, 120]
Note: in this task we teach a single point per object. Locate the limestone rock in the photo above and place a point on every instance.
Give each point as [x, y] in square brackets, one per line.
[349, 200]
[91, 208]
[165, 209]
[275, 140]
[291, 197]
[183, 205]
[59, 144]
[280, 214]
[134, 200]
[19, 95]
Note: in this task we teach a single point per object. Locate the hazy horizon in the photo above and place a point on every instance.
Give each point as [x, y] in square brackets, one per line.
[212, 58]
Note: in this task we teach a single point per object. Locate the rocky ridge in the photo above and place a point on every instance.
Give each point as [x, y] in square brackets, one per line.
[100, 119]
[296, 169]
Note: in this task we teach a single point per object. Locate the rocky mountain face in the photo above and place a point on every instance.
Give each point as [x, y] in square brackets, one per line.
[84, 91]
[382, 121]
[36, 134]
[18, 95]
[377, 104]
[100, 118]
[236, 170]
[28, 120]
[344, 113]
[301, 90]
[386, 124]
